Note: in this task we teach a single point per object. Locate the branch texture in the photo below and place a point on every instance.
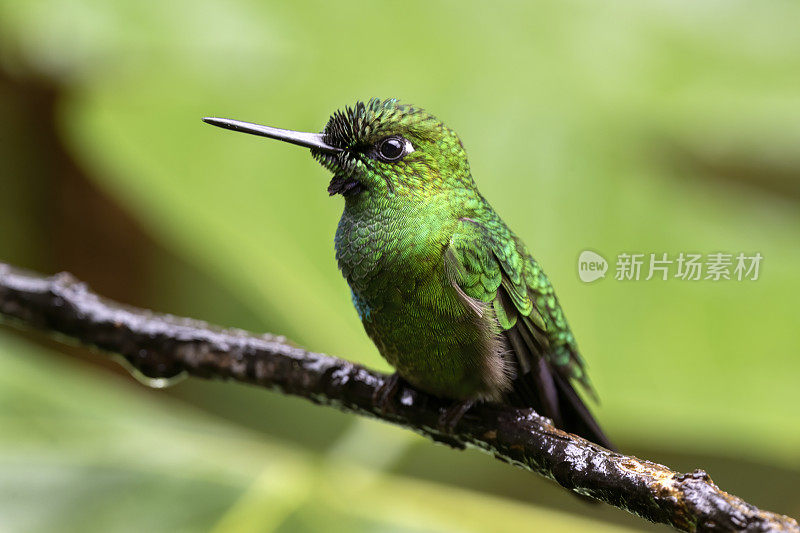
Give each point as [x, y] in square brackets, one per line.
[164, 346]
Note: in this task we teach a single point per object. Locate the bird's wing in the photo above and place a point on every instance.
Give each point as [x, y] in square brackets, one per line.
[496, 272]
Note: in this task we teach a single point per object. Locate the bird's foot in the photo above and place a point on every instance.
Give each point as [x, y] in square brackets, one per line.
[452, 416]
[384, 394]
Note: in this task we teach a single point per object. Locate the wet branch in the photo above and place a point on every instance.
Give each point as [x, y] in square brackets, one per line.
[165, 346]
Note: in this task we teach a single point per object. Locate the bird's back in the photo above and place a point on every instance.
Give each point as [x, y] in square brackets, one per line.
[540, 343]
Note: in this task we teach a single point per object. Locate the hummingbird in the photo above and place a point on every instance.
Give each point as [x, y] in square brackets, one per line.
[450, 296]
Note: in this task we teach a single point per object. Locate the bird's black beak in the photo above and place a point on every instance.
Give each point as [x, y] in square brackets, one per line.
[309, 140]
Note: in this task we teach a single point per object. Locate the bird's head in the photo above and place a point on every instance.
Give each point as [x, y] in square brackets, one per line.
[382, 147]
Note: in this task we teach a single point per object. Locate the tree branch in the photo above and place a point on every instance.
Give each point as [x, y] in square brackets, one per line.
[164, 346]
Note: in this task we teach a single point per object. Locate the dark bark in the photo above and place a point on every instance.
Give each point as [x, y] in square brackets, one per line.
[165, 346]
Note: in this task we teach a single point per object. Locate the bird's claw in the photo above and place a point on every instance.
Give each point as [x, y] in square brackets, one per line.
[451, 416]
[383, 395]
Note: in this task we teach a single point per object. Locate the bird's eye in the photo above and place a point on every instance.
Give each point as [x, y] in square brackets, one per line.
[393, 148]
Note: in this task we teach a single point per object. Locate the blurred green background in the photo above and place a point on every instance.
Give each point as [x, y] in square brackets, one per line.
[619, 126]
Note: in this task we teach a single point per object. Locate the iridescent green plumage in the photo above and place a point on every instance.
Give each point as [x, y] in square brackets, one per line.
[450, 296]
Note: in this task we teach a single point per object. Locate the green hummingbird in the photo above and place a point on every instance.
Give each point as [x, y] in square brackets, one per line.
[448, 293]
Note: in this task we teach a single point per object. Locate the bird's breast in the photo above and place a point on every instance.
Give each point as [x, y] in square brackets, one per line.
[376, 248]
